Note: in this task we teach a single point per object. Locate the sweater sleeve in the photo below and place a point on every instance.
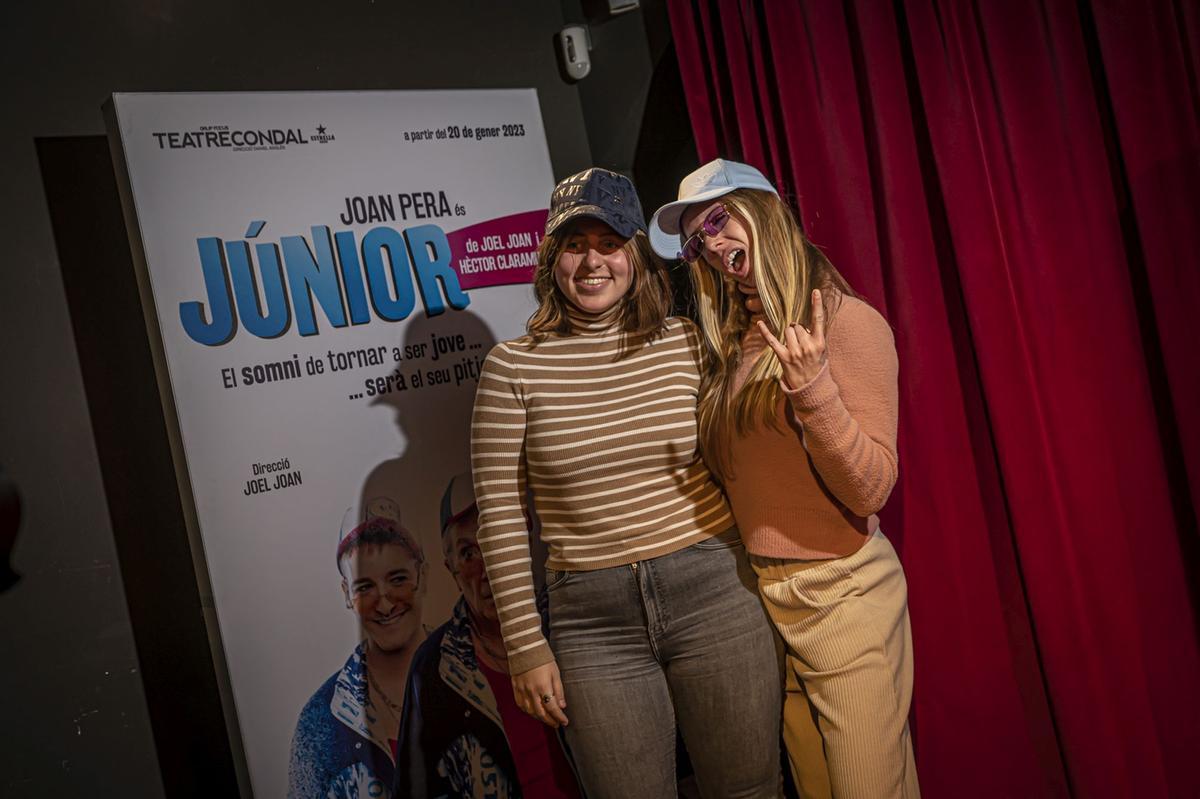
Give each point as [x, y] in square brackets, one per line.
[498, 471]
[849, 410]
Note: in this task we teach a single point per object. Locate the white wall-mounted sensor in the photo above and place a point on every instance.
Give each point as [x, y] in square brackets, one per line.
[574, 43]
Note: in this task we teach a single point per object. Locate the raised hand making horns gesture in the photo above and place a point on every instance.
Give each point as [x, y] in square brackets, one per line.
[802, 351]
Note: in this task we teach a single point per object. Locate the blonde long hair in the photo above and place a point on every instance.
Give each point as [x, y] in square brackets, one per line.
[644, 308]
[787, 267]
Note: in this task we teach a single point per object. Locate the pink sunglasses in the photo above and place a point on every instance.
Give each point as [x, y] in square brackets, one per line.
[713, 222]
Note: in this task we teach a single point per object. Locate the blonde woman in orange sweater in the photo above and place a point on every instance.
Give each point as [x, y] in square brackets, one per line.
[798, 418]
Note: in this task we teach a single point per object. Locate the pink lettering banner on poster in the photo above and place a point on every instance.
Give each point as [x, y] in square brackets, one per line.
[498, 252]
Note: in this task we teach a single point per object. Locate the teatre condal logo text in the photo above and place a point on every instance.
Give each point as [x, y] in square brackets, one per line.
[223, 137]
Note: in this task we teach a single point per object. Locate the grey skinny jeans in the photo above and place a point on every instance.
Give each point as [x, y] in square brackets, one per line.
[679, 638]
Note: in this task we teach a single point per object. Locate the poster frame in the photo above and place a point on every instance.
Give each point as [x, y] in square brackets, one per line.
[183, 483]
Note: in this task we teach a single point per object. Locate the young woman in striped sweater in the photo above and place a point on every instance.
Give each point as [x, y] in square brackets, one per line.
[798, 418]
[654, 619]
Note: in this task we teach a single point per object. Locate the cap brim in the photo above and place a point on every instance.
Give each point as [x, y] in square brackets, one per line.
[623, 227]
[665, 227]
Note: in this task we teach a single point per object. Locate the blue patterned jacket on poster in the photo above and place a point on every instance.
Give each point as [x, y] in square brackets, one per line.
[452, 741]
[333, 753]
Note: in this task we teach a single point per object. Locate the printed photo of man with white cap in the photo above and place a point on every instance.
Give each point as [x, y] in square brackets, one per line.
[345, 740]
[462, 734]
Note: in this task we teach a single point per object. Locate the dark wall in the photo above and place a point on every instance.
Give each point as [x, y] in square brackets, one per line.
[75, 708]
[613, 95]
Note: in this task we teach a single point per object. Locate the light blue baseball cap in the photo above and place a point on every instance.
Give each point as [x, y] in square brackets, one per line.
[714, 179]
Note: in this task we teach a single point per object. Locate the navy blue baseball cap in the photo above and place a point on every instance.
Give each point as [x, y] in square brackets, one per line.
[599, 194]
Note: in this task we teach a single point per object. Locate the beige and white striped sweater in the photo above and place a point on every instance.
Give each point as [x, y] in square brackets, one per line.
[607, 443]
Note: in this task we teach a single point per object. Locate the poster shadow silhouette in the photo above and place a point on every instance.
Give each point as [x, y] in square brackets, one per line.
[433, 424]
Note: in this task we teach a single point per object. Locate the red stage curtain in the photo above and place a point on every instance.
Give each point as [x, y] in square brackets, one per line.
[1014, 185]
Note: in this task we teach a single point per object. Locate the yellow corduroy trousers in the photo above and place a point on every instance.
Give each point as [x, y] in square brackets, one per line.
[849, 671]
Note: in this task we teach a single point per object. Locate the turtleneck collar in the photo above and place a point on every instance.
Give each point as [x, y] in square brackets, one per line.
[586, 323]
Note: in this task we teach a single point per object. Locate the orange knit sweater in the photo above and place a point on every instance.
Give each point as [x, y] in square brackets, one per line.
[811, 490]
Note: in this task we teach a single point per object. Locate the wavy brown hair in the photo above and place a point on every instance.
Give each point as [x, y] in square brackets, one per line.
[787, 267]
[644, 308]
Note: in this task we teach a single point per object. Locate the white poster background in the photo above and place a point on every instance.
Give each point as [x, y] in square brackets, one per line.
[270, 556]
